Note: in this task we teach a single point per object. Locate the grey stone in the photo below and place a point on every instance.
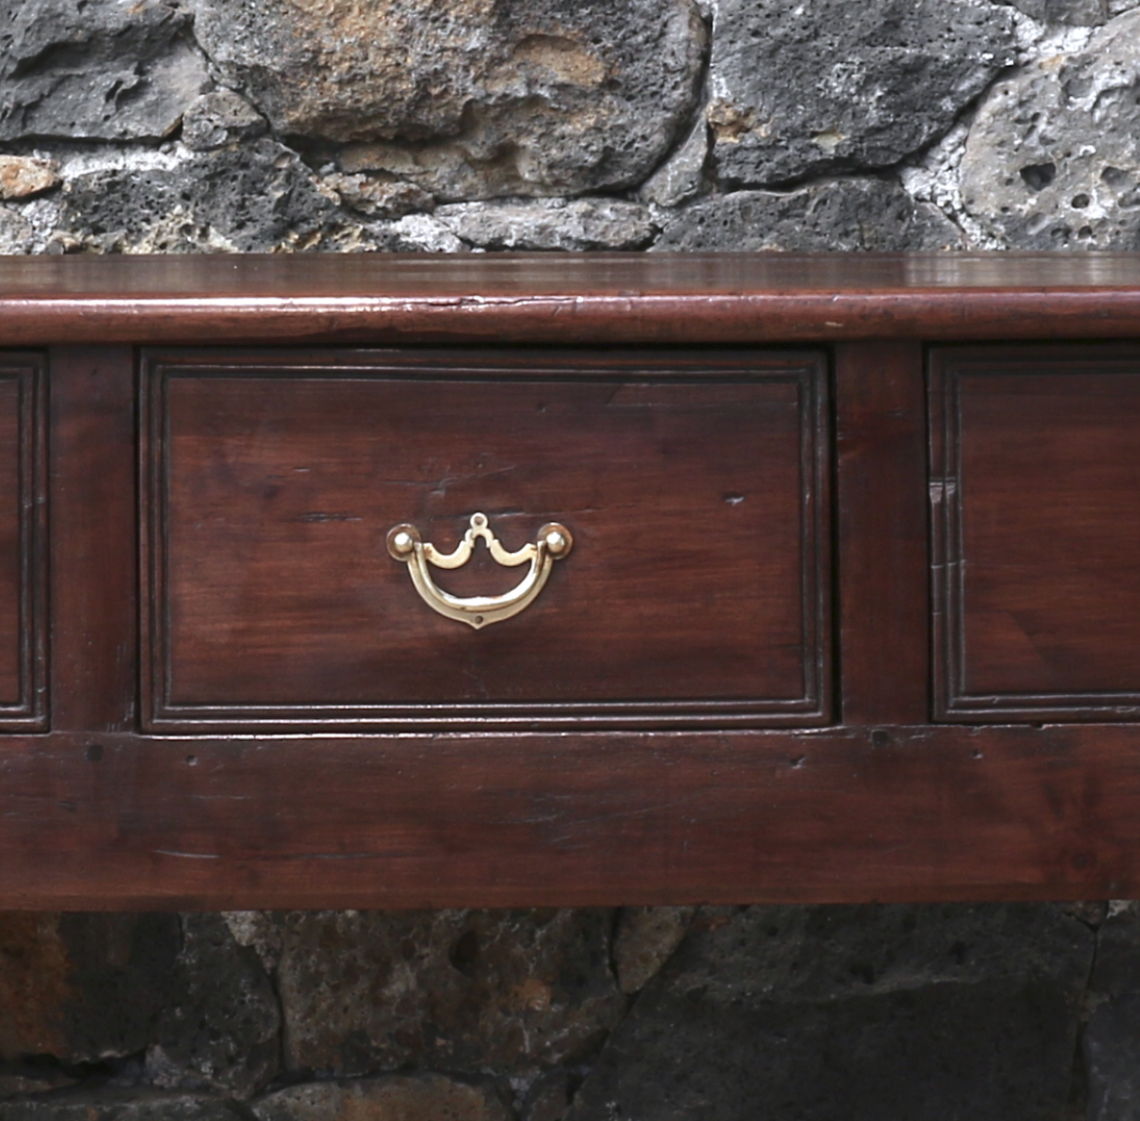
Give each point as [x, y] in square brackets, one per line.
[843, 214]
[85, 988]
[380, 196]
[418, 233]
[485, 99]
[474, 990]
[16, 236]
[422, 1097]
[18, 1080]
[1053, 158]
[596, 223]
[681, 177]
[258, 930]
[799, 89]
[221, 1030]
[548, 1097]
[81, 988]
[218, 118]
[646, 939]
[1112, 1037]
[96, 69]
[102, 1105]
[1080, 13]
[24, 176]
[257, 197]
[854, 1014]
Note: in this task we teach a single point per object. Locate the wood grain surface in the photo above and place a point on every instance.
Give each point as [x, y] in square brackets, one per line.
[696, 488]
[315, 737]
[882, 532]
[1036, 457]
[839, 815]
[572, 299]
[23, 584]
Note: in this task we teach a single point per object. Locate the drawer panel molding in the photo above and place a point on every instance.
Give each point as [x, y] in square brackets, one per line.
[1035, 488]
[694, 487]
[23, 549]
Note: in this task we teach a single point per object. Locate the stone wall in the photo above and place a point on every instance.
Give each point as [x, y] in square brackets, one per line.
[343, 125]
[254, 125]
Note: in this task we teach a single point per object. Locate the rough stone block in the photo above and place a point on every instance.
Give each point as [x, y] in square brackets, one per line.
[379, 196]
[457, 990]
[96, 69]
[424, 1097]
[486, 99]
[84, 988]
[681, 177]
[221, 1030]
[1112, 1036]
[16, 236]
[646, 938]
[841, 214]
[220, 117]
[550, 224]
[138, 1105]
[257, 197]
[24, 176]
[798, 89]
[1053, 158]
[1079, 13]
[854, 1014]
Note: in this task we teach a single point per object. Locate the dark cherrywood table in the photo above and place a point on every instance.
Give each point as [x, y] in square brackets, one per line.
[851, 612]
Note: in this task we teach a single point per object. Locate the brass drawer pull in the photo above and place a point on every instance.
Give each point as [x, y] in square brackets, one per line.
[406, 545]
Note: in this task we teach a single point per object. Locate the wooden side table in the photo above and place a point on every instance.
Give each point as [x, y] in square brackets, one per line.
[407, 581]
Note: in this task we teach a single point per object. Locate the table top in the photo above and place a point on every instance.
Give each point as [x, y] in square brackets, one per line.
[575, 299]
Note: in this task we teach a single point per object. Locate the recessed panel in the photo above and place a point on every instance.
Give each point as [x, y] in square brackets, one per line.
[692, 488]
[1036, 463]
[22, 564]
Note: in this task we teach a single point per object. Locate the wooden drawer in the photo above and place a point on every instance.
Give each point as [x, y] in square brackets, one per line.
[695, 488]
[1036, 488]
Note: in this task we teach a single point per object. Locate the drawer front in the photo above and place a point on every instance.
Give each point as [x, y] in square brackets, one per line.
[1036, 491]
[23, 567]
[694, 488]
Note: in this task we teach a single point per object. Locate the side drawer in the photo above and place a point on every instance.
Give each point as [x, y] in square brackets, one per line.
[694, 486]
[1035, 457]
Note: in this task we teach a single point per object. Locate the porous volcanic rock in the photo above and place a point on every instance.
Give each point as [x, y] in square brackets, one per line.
[484, 97]
[1080, 13]
[221, 1029]
[255, 197]
[80, 988]
[854, 1014]
[646, 938]
[840, 214]
[220, 117]
[454, 990]
[84, 988]
[1112, 1036]
[799, 89]
[423, 1097]
[1053, 158]
[133, 1105]
[596, 223]
[96, 69]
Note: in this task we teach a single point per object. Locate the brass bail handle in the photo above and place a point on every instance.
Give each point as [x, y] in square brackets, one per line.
[406, 545]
